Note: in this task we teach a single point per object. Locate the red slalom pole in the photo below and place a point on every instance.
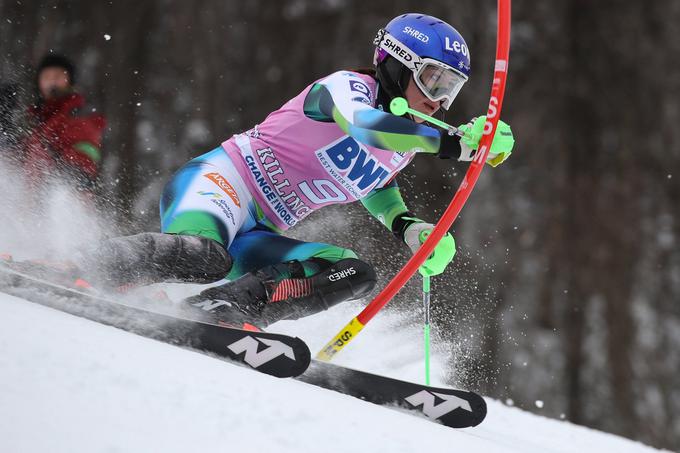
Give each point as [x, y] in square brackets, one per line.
[492, 116]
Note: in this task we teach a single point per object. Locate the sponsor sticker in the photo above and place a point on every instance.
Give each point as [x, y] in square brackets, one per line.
[223, 184]
[416, 34]
[218, 200]
[453, 45]
[352, 166]
[358, 86]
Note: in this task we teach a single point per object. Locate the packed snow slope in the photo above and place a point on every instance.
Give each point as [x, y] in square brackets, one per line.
[71, 385]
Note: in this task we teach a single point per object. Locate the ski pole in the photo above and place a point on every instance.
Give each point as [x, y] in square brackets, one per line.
[399, 106]
[426, 330]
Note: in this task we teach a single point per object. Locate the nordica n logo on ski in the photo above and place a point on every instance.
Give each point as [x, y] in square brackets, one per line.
[434, 411]
[256, 358]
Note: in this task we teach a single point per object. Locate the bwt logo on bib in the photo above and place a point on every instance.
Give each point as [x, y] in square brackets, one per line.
[352, 166]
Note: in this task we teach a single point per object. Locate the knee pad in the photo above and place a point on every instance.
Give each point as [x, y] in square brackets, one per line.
[347, 279]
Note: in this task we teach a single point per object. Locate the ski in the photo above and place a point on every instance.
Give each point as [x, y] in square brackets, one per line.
[275, 354]
[452, 408]
[270, 353]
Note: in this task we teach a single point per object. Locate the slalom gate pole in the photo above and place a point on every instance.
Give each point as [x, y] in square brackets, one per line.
[352, 329]
[426, 329]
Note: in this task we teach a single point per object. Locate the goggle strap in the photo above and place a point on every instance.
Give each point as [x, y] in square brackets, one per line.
[403, 54]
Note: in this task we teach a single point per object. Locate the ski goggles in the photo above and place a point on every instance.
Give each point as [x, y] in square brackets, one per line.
[438, 81]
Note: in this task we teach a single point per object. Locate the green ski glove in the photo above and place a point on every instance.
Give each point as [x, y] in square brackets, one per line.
[501, 148]
[443, 253]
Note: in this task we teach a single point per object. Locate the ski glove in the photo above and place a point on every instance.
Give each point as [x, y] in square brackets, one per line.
[416, 234]
[501, 148]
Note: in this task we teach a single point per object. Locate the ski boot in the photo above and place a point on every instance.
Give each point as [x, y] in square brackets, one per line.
[283, 291]
[130, 261]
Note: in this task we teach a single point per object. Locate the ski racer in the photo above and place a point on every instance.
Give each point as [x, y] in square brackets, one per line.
[224, 213]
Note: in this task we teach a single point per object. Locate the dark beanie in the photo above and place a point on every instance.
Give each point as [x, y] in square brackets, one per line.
[52, 60]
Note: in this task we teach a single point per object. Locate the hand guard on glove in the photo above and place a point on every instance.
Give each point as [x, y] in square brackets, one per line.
[415, 235]
[501, 147]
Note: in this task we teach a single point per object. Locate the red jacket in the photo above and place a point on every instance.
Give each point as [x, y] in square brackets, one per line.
[62, 137]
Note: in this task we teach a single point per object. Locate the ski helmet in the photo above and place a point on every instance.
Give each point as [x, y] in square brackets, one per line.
[425, 48]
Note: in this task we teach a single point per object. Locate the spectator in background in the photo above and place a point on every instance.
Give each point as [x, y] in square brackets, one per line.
[62, 142]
